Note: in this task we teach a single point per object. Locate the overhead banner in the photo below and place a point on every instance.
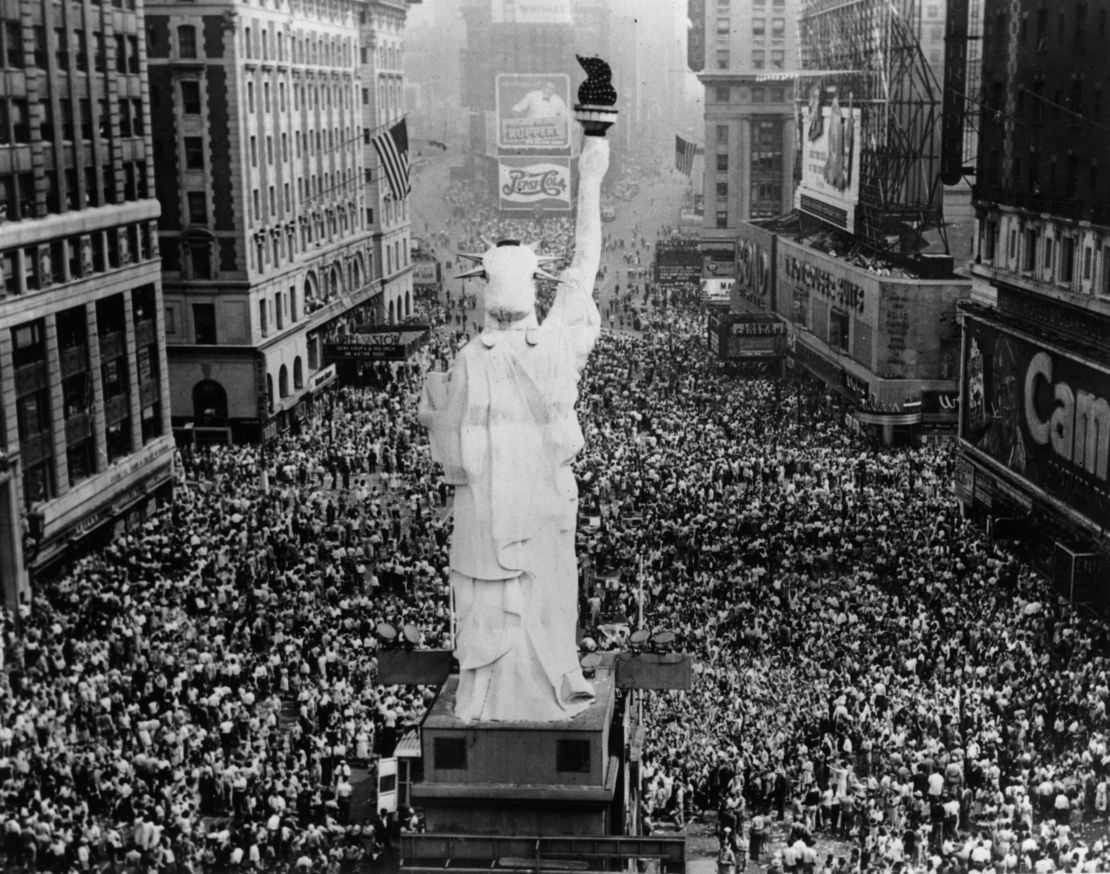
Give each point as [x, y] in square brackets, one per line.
[530, 183]
[532, 111]
[829, 189]
[1041, 413]
[531, 12]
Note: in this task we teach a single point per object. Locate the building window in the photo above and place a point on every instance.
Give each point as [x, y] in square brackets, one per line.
[722, 191]
[722, 59]
[198, 208]
[204, 323]
[778, 28]
[722, 134]
[190, 97]
[759, 27]
[194, 153]
[12, 35]
[721, 93]
[778, 59]
[200, 263]
[758, 95]
[187, 41]
[1029, 260]
[838, 331]
[759, 59]
[722, 163]
[1067, 259]
[722, 218]
[723, 26]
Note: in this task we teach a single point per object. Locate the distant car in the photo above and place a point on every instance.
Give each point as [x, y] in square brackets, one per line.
[608, 214]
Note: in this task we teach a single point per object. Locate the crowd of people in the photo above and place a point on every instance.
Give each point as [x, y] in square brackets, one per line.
[870, 670]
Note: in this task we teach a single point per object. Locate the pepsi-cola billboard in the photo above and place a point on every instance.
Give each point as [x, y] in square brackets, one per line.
[1040, 412]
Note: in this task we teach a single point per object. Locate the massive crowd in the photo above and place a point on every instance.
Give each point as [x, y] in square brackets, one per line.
[203, 694]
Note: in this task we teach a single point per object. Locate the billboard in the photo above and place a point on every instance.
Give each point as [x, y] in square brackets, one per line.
[677, 265]
[531, 12]
[830, 143]
[531, 183]
[754, 265]
[532, 110]
[1042, 413]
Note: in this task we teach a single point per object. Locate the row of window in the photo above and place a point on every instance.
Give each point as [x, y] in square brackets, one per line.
[304, 48]
[325, 142]
[80, 390]
[759, 59]
[318, 96]
[17, 125]
[67, 45]
[1079, 27]
[19, 199]
[723, 94]
[1053, 258]
[33, 268]
[759, 28]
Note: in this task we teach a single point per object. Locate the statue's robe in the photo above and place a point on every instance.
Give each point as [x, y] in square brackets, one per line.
[502, 424]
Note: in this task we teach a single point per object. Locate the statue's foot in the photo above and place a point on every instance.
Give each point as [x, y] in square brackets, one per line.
[577, 688]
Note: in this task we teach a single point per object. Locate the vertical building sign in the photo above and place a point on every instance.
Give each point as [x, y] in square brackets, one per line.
[955, 91]
[695, 36]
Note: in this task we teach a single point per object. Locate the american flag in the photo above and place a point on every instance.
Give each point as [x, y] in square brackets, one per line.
[392, 146]
[684, 155]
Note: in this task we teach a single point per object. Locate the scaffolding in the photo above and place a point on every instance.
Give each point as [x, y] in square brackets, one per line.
[869, 52]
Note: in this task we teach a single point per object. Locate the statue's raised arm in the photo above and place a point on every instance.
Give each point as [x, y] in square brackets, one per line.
[574, 302]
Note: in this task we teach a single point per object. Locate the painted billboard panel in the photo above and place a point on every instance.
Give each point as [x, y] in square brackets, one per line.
[531, 183]
[1041, 413]
[531, 12]
[533, 110]
[830, 144]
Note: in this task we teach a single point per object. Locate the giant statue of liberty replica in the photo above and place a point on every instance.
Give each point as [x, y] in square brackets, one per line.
[503, 425]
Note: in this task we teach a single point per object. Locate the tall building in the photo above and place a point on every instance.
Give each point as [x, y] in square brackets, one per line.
[750, 55]
[1035, 403]
[85, 443]
[381, 71]
[265, 235]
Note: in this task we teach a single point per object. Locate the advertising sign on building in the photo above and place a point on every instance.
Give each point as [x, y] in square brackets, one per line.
[830, 144]
[754, 273]
[531, 183]
[716, 291]
[532, 111]
[531, 12]
[389, 343]
[677, 265]
[1042, 413]
[425, 272]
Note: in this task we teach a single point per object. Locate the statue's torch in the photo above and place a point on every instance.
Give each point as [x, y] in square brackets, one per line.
[597, 98]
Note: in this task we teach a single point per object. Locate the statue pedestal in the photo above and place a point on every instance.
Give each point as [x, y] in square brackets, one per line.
[520, 778]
